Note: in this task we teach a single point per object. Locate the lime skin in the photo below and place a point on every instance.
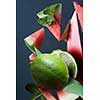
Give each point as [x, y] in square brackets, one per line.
[49, 71]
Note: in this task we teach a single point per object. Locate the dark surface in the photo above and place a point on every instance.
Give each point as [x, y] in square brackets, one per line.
[26, 24]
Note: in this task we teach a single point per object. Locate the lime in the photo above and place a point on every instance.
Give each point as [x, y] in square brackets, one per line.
[69, 61]
[49, 71]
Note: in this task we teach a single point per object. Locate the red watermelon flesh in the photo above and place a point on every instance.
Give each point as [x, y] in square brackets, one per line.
[72, 37]
[36, 38]
[61, 94]
[53, 24]
[79, 11]
[47, 94]
[32, 57]
[54, 28]
[74, 43]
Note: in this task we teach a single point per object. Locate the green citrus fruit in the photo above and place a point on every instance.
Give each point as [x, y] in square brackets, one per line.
[69, 61]
[49, 71]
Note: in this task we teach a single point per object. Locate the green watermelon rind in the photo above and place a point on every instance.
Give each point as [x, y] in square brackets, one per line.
[48, 12]
[56, 8]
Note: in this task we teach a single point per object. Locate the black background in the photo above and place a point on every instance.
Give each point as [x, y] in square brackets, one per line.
[26, 24]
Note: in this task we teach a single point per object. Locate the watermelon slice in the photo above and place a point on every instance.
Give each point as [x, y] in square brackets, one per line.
[73, 42]
[72, 37]
[47, 94]
[50, 17]
[79, 11]
[54, 10]
[35, 39]
[54, 28]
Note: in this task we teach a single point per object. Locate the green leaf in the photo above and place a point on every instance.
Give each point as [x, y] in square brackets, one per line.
[46, 21]
[74, 87]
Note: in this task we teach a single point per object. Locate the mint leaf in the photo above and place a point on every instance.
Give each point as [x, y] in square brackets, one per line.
[74, 87]
[46, 21]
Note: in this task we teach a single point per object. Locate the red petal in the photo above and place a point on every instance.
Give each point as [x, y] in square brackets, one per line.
[79, 11]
